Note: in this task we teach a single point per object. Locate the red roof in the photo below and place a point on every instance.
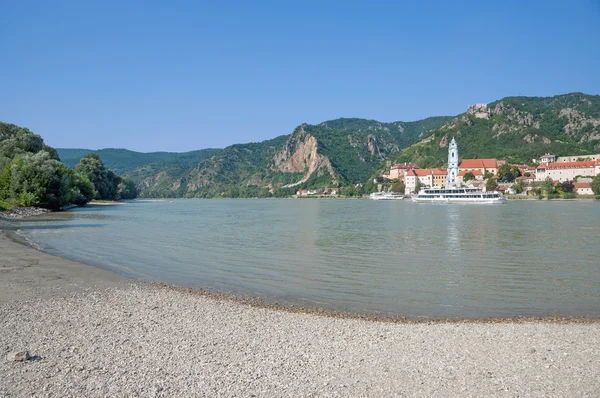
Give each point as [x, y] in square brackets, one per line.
[570, 165]
[474, 172]
[479, 164]
[425, 172]
[581, 185]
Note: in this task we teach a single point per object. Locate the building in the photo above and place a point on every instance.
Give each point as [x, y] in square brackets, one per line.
[579, 158]
[331, 191]
[460, 178]
[546, 159]
[398, 170]
[482, 165]
[426, 177]
[583, 188]
[567, 171]
[306, 192]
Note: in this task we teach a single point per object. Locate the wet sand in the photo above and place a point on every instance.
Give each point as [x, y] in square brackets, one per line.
[95, 333]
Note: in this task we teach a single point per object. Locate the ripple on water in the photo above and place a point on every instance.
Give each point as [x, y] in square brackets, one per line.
[400, 258]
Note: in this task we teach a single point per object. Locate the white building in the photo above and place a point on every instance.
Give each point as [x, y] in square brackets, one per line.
[567, 171]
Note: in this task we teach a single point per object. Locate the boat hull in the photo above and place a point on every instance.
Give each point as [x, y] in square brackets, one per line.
[494, 201]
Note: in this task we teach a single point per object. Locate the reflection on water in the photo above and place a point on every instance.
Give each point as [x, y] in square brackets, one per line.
[523, 258]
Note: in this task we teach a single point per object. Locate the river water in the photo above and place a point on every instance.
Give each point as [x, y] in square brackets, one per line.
[525, 258]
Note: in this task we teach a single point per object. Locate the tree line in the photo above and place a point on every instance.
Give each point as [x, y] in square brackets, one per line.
[31, 174]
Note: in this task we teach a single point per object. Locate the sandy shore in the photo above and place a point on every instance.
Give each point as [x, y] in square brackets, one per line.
[93, 333]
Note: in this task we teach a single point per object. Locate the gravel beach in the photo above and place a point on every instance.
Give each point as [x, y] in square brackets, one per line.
[92, 333]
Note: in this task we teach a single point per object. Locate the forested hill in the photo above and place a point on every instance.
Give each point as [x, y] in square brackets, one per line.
[517, 129]
[332, 153]
[123, 161]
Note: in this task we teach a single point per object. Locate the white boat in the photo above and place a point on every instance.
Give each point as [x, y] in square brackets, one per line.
[386, 196]
[458, 195]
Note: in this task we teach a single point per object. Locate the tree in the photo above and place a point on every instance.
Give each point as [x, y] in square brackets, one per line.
[518, 186]
[487, 175]
[39, 180]
[507, 173]
[548, 185]
[106, 182]
[398, 186]
[515, 172]
[469, 176]
[418, 185]
[595, 185]
[127, 189]
[567, 186]
[491, 184]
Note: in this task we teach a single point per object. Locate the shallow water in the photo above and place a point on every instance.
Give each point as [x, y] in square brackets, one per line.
[385, 257]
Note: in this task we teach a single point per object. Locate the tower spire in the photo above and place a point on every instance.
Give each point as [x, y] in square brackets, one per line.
[452, 164]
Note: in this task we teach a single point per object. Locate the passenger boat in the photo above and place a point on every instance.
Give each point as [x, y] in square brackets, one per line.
[386, 196]
[458, 195]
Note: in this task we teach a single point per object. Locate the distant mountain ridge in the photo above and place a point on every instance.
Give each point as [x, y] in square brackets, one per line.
[335, 152]
[349, 150]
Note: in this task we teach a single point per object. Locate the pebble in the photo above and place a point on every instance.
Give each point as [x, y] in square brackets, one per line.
[17, 356]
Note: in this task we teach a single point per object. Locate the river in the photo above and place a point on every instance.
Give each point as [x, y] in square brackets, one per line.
[525, 258]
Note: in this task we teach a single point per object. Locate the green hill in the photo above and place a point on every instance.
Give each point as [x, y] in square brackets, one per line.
[335, 152]
[517, 129]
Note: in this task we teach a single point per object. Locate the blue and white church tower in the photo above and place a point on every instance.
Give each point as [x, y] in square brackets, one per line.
[452, 164]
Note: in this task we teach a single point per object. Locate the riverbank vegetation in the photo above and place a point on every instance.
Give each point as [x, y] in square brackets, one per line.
[31, 174]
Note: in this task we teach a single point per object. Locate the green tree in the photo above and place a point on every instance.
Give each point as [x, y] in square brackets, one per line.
[105, 181]
[39, 180]
[595, 185]
[126, 189]
[518, 186]
[507, 173]
[567, 186]
[491, 184]
[398, 186]
[418, 186]
[548, 185]
[469, 176]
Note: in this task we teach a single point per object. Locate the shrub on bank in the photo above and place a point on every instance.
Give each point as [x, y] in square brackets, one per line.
[553, 196]
[569, 195]
[540, 197]
[597, 197]
[4, 205]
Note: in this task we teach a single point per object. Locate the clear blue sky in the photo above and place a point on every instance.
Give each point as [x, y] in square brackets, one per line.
[184, 75]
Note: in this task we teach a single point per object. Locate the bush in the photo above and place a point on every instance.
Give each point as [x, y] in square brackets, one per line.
[553, 196]
[540, 197]
[597, 197]
[28, 199]
[569, 195]
[4, 205]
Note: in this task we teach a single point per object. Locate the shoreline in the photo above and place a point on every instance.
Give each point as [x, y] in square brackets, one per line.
[94, 333]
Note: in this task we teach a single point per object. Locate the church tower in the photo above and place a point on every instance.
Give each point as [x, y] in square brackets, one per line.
[452, 164]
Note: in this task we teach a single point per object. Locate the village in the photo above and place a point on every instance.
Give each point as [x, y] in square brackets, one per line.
[571, 175]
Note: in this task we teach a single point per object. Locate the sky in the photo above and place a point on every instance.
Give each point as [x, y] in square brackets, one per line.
[185, 75]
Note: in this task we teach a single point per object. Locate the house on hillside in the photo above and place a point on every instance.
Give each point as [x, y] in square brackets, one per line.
[399, 170]
[546, 159]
